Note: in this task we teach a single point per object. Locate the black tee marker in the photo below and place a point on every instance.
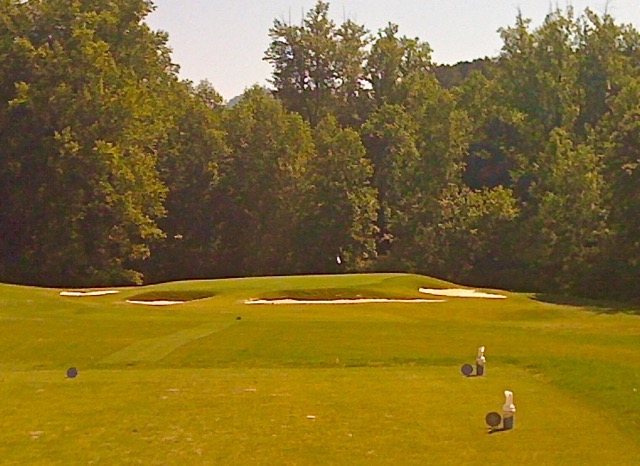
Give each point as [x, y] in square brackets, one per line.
[72, 373]
[493, 419]
[467, 370]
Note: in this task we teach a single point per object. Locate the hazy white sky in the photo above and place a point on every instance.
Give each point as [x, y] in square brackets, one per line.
[224, 40]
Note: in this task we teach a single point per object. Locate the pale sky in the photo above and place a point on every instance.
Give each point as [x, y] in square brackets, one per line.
[224, 40]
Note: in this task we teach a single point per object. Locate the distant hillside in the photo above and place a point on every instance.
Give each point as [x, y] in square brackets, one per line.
[233, 102]
[454, 75]
[236, 100]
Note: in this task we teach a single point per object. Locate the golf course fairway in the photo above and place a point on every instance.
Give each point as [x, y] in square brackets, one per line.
[209, 379]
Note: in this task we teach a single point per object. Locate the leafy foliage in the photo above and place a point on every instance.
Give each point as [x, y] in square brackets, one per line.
[262, 184]
[338, 228]
[514, 171]
[80, 123]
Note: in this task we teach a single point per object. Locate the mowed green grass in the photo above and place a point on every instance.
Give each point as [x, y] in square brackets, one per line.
[216, 381]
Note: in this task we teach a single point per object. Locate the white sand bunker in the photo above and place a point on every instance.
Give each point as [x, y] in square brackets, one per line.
[88, 293]
[156, 303]
[460, 293]
[340, 301]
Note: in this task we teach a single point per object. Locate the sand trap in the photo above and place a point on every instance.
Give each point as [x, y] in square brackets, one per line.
[340, 301]
[156, 303]
[88, 293]
[460, 293]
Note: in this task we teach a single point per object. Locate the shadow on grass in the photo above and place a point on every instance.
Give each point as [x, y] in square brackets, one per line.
[177, 295]
[495, 431]
[597, 306]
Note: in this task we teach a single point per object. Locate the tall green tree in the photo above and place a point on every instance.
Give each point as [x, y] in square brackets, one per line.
[442, 136]
[618, 137]
[352, 101]
[337, 229]
[538, 73]
[566, 214]
[496, 130]
[393, 61]
[262, 185]
[609, 57]
[318, 66]
[81, 118]
[464, 238]
[189, 161]
[390, 138]
[441, 140]
[417, 150]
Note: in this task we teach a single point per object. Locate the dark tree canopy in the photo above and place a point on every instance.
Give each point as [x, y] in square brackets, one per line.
[81, 123]
[519, 170]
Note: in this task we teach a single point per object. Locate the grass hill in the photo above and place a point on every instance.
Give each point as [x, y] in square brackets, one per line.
[217, 381]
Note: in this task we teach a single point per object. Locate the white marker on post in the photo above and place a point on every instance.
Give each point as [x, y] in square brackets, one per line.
[508, 410]
[480, 361]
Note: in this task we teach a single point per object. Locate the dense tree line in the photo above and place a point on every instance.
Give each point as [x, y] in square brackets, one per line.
[515, 171]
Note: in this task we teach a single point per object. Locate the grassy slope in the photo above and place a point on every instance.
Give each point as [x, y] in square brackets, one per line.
[192, 383]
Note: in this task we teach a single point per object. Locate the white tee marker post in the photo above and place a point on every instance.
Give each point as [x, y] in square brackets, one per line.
[508, 411]
[480, 361]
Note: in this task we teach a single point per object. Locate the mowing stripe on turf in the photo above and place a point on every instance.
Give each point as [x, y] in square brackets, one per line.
[154, 349]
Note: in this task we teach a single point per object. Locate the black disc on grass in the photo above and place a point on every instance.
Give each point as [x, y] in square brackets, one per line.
[238, 318]
[467, 370]
[72, 373]
[493, 419]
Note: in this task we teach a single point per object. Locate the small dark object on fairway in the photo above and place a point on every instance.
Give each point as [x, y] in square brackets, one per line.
[238, 318]
[72, 373]
[467, 370]
[493, 419]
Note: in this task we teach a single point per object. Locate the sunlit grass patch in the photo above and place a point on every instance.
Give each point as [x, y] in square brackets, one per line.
[379, 383]
[406, 415]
